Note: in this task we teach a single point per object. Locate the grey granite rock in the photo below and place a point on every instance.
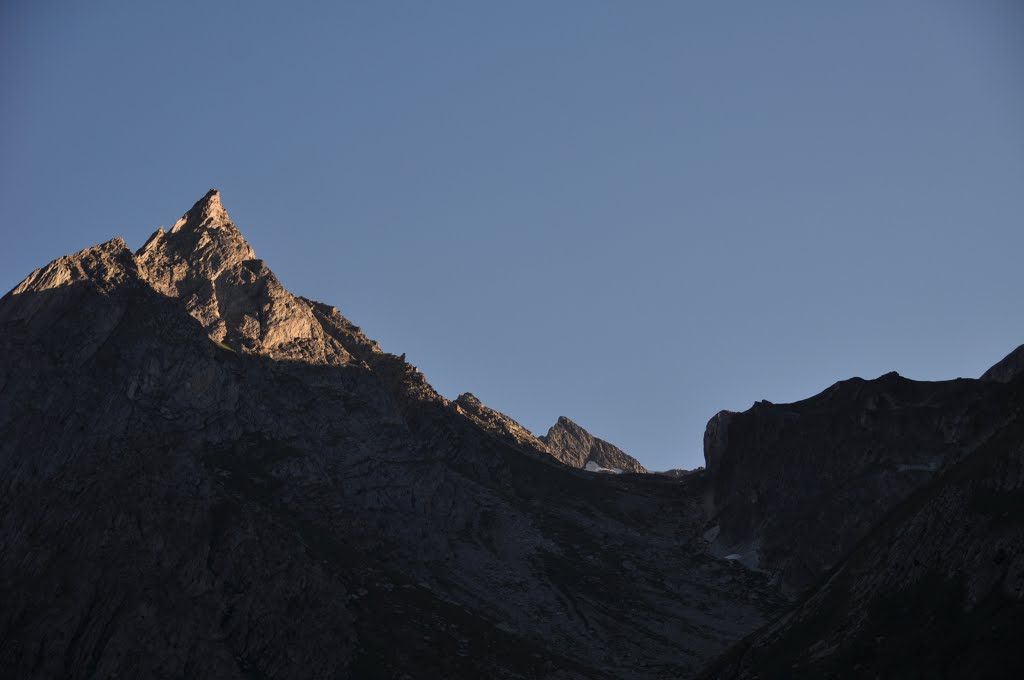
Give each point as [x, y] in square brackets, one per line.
[499, 424]
[574, 446]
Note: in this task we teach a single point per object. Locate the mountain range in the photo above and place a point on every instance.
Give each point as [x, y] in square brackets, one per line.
[205, 475]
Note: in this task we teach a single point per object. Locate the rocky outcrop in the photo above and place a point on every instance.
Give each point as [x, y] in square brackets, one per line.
[574, 446]
[935, 590]
[202, 475]
[716, 439]
[793, 487]
[678, 472]
[1007, 368]
[499, 424]
[565, 442]
[206, 262]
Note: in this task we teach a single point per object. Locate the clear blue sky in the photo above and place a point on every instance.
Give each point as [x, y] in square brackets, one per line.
[634, 214]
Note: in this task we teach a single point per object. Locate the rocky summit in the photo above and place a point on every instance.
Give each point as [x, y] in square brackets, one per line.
[574, 446]
[204, 475]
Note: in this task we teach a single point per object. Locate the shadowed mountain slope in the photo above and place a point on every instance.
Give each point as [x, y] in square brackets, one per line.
[203, 475]
[794, 486]
[1007, 368]
[936, 590]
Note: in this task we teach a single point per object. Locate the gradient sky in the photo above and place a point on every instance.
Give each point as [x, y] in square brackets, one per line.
[635, 214]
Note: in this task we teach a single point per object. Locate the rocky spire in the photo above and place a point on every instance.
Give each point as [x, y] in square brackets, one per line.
[205, 261]
[199, 247]
[208, 212]
[574, 446]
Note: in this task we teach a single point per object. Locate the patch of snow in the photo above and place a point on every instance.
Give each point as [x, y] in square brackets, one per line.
[591, 466]
[747, 553]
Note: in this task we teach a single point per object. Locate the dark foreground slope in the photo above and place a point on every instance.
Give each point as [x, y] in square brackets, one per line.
[934, 591]
[202, 475]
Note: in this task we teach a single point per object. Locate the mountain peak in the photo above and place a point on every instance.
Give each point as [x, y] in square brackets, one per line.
[468, 400]
[206, 262]
[570, 443]
[207, 212]
[105, 265]
[204, 236]
[565, 421]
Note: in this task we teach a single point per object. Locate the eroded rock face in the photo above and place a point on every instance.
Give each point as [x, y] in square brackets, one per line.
[716, 439]
[793, 487]
[565, 442]
[574, 446]
[202, 475]
[187, 261]
[499, 424]
[936, 590]
[206, 262]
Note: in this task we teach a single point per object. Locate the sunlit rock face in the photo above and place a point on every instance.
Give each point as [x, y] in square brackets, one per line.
[574, 446]
[497, 423]
[206, 262]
